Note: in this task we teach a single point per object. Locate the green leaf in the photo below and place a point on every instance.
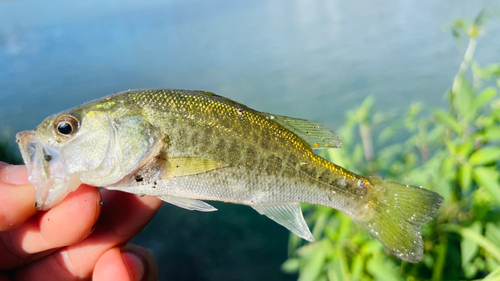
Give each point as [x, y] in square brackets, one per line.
[493, 233]
[468, 247]
[448, 120]
[363, 112]
[488, 178]
[463, 97]
[440, 249]
[465, 148]
[381, 270]
[490, 134]
[358, 266]
[314, 266]
[334, 272]
[475, 237]
[492, 264]
[388, 132]
[484, 97]
[291, 266]
[485, 155]
[387, 155]
[436, 135]
[320, 223]
[447, 169]
[495, 108]
[481, 18]
[452, 147]
[338, 268]
[458, 27]
[465, 176]
[493, 276]
[371, 247]
[455, 32]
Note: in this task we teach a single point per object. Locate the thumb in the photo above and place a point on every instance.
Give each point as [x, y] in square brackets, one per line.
[129, 262]
[140, 262]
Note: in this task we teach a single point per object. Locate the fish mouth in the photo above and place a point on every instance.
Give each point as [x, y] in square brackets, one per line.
[46, 170]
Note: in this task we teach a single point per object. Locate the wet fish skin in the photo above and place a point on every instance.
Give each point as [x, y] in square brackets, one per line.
[267, 163]
[185, 146]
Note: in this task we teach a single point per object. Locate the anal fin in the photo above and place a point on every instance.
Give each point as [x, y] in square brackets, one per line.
[190, 204]
[289, 216]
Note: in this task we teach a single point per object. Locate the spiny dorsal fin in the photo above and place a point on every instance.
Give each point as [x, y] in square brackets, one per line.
[315, 134]
[185, 166]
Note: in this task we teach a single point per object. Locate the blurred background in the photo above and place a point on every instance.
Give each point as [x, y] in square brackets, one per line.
[300, 58]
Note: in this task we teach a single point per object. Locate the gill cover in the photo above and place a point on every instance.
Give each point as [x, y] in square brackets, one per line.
[109, 149]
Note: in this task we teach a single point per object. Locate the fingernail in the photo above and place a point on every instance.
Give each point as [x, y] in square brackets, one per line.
[13, 174]
[135, 265]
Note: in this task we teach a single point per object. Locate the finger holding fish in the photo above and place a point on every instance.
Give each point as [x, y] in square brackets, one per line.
[123, 216]
[17, 196]
[137, 264]
[37, 237]
[66, 224]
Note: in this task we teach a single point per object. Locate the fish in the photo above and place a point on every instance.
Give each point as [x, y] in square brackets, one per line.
[185, 147]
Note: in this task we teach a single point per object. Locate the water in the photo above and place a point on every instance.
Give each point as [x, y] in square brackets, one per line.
[309, 59]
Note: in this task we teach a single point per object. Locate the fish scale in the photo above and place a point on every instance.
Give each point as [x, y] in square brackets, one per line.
[185, 106]
[238, 123]
[187, 146]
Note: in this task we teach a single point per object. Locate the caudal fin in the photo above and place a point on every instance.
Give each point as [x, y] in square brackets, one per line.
[396, 218]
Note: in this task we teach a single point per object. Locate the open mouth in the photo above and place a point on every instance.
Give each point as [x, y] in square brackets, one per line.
[45, 169]
[35, 156]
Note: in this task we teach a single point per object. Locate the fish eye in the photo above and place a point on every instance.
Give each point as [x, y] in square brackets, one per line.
[65, 128]
[66, 125]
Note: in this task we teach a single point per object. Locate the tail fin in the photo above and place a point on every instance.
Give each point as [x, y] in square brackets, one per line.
[396, 219]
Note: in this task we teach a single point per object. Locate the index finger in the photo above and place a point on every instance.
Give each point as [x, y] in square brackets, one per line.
[13, 174]
[17, 196]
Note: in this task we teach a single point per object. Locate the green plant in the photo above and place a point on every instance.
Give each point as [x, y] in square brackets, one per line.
[454, 152]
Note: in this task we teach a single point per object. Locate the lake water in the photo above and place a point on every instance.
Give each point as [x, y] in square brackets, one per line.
[308, 59]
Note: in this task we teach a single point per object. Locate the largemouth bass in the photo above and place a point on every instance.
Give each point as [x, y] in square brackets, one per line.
[187, 146]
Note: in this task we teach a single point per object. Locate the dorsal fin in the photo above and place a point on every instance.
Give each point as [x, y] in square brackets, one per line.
[315, 134]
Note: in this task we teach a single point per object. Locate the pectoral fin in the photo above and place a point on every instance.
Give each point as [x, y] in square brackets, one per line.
[185, 166]
[190, 204]
[289, 216]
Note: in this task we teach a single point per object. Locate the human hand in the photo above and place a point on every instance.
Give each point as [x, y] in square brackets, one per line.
[77, 239]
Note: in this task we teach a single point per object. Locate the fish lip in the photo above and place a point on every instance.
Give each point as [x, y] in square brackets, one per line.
[25, 140]
[44, 166]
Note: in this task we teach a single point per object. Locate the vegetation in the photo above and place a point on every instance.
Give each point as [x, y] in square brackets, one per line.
[454, 152]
